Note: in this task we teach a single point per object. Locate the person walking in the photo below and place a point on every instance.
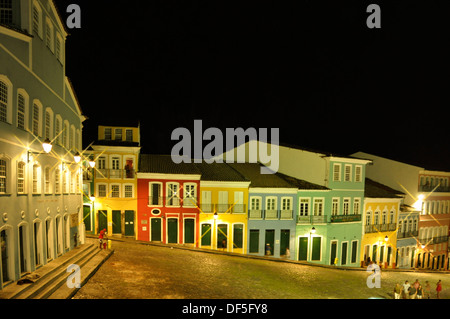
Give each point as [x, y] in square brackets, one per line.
[412, 292]
[397, 291]
[420, 292]
[100, 238]
[438, 289]
[427, 290]
[406, 287]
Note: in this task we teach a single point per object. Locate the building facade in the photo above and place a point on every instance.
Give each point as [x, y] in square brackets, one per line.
[223, 208]
[114, 200]
[40, 186]
[168, 196]
[380, 219]
[272, 207]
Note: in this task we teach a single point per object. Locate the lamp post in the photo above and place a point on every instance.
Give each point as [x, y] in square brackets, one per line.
[47, 146]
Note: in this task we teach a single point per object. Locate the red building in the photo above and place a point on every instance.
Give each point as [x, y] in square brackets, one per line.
[167, 209]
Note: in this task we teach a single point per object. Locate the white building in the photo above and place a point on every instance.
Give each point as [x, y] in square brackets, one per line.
[40, 192]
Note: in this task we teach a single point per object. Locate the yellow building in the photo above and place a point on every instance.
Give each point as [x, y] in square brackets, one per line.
[114, 200]
[223, 208]
[380, 220]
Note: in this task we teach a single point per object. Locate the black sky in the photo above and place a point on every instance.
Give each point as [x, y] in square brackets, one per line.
[311, 68]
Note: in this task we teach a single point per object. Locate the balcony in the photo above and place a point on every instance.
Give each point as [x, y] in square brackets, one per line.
[115, 173]
[428, 188]
[345, 218]
[311, 219]
[407, 234]
[379, 228]
[172, 201]
[223, 208]
[270, 214]
[433, 240]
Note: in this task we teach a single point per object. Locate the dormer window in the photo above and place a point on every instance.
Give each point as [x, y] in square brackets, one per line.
[107, 133]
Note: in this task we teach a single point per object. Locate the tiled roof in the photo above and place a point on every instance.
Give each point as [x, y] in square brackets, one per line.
[302, 184]
[149, 163]
[252, 172]
[377, 190]
[219, 172]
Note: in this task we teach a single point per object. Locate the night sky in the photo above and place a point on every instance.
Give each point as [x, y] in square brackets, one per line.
[313, 69]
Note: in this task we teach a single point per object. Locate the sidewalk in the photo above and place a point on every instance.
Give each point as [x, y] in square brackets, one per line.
[51, 282]
[268, 258]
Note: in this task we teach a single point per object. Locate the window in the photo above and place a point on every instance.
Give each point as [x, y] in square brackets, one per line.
[36, 117]
[336, 172]
[190, 198]
[118, 134]
[358, 173]
[129, 135]
[65, 183]
[21, 178]
[384, 218]
[72, 137]
[318, 206]
[128, 191]
[49, 34]
[37, 20]
[335, 206]
[271, 203]
[101, 190]
[58, 47]
[47, 180]
[255, 203]
[57, 181]
[115, 191]
[66, 134]
[376, 219]
[368, 218]
[391, 217]
[346, 206]
[115, 163]
[3, 176]
[356, 205]
[286, 203]
[36, 179]
[107, 133]
[348, 173]
[21, 111]
[48, 118]
[101, 162]
[6, 13]
[155, 194]
[58, 129]
[172, 194]
[4, 101]
[304, 207]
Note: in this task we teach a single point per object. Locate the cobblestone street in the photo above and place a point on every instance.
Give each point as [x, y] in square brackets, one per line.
[152, 272]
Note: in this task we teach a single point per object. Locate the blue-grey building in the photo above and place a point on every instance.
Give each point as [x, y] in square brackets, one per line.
[40, 188]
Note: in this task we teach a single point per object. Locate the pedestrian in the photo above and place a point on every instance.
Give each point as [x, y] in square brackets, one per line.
[397, 291]
[105, 239]
[100, 238]
[427, 290]
[406, 287]
[420, 292]
[268, 250]
[412, 292]
[416, 284]
[438, 289]
[335, 261]
[224, 244]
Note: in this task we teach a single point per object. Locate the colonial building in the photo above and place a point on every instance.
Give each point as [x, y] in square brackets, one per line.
[40, 132]
[223, 208]
[382, 206]
[272, 212]
[168, 195]
[114, 200]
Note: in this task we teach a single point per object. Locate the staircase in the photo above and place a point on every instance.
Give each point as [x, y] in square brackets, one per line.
[53, 276]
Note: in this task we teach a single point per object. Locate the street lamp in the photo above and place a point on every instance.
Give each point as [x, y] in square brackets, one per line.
[77, 157]
[216, 216]
[47, 146]
[386, 238]
[313, 230]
